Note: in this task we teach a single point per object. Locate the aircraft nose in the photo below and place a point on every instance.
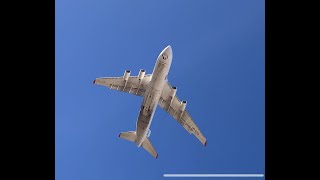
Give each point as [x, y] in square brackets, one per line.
[166, 54]
[168, 50]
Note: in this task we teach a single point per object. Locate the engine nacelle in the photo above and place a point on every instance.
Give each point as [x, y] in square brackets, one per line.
[173, 92]
[126, 75]
[183, 105]
[142, 72]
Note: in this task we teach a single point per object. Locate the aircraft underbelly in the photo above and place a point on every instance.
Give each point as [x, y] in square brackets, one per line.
[150, 101]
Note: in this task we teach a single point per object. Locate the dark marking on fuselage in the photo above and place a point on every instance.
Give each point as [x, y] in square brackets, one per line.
[164, 56]
[144, 122]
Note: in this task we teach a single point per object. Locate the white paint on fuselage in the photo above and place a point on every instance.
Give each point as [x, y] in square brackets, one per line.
[152, 94]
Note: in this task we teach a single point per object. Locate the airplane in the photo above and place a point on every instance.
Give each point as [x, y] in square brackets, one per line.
[155, 90]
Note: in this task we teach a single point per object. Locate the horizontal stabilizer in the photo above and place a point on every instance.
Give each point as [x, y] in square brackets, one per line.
[148, 147]
[130, 136]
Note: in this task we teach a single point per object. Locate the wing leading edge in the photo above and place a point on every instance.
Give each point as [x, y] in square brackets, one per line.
[172, 105]
[133, 85]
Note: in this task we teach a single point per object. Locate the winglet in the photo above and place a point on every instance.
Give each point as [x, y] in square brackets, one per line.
[94, 81]
[205, 143]
[119, 134]
[157, 156]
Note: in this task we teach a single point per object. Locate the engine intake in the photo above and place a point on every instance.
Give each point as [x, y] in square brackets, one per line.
[142, 72]
[183, 105]
[126, 75]
[173, 91]
[173, 94]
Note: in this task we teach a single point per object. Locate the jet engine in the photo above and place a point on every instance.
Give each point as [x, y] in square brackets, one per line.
[173, 92]
[126, 75]
[142, 72]
[183, 105]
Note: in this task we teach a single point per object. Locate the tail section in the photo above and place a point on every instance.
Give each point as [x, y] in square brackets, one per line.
[131, 136]
[148, 147]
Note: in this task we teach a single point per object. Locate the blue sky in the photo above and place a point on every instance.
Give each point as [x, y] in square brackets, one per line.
[218, 67]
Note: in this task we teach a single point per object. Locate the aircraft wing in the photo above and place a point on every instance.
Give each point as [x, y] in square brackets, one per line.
[133, 85]
[174, 107]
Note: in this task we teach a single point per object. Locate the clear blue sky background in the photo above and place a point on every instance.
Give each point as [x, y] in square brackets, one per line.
[218, 67]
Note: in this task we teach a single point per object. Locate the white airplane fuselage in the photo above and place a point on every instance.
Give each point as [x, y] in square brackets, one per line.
[153, 94]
